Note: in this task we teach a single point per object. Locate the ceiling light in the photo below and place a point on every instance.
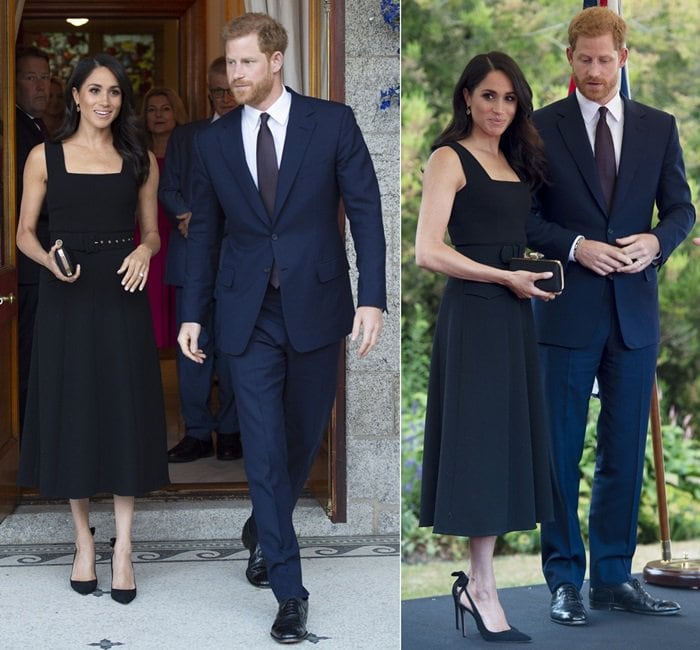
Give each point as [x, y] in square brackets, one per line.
[77, 22]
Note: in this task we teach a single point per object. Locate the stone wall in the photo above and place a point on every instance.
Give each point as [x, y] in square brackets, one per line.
[373, 384]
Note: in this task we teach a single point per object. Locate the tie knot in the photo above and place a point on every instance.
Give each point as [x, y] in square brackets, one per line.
[603, 112]
[264, 117]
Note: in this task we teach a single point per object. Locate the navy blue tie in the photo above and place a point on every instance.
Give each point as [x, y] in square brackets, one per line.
[605, 156]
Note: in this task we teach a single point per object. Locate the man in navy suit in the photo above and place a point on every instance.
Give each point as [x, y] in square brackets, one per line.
[606, 322]
[283, 293]
[195, 380]
[32, 95]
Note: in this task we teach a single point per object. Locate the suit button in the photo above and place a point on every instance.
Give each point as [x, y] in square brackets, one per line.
[274, 237]
[267, 269]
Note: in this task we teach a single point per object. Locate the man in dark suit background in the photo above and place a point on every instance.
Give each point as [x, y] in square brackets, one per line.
[284, 300]
[195, 380]
[596, 217]
[32, 94]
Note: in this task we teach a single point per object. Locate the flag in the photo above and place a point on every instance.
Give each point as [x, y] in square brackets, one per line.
[616, 6]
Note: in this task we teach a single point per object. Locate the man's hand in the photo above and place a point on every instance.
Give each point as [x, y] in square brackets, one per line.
[187, 338]
[602, 258]
[370, 320]
[642, 249]
[184, 223]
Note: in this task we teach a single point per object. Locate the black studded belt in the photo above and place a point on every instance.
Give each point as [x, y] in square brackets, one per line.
[94, 242]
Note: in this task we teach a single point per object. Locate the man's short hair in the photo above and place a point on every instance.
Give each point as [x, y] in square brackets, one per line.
[217, 66]
[598, 21]
[272, 37]
[28, 52]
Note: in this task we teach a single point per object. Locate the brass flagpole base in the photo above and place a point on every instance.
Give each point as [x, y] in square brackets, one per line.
[683, 573]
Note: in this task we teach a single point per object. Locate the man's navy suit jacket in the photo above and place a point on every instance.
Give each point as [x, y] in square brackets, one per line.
[175, 194]
[650, 172]
[325, 159]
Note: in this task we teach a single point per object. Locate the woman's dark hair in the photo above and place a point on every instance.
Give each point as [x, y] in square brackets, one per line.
[521, 143]
[129, 139]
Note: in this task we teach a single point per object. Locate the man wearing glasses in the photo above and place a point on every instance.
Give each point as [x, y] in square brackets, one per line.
[195, 380]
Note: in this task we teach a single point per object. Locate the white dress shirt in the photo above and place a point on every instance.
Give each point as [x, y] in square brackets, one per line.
[616, 120]
[250, 125]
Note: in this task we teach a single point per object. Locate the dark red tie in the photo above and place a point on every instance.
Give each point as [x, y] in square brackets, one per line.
[605, 156]
[267, 165]
[267, 176]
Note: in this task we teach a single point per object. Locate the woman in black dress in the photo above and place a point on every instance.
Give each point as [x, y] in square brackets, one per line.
[485, 463]
[95, 420]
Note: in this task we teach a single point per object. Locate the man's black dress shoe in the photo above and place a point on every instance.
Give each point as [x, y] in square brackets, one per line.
[256, 572]
[189, 449]
[567, 606]
[630, 596]
[228, 446]
[290, 622]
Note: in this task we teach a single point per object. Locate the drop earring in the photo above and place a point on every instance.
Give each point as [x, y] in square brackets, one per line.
[469, 110]
[77, 107]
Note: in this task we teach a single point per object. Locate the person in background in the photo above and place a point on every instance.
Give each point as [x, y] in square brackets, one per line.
[55, 108]
[221, 98]
[162, 110]
[195, 381]
[32, 77]
[278, 166]
[95, 420]
[611, 161]
[485, 458]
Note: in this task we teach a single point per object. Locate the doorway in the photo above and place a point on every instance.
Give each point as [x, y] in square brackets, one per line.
[178, 26]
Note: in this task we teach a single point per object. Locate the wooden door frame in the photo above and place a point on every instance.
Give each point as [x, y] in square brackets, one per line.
[192, 16]
[9, 399]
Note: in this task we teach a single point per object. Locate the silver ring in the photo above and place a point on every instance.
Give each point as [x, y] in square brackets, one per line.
[140, 275]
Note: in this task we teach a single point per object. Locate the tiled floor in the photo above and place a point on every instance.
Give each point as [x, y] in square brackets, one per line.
[193, 595]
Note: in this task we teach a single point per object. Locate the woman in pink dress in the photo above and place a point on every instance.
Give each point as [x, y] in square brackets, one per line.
[162, 111]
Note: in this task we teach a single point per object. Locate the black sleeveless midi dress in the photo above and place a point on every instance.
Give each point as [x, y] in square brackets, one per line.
[485, 458]
[95, 418]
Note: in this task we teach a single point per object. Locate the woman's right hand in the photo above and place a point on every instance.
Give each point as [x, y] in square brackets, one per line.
[52, 266]
[522, 284]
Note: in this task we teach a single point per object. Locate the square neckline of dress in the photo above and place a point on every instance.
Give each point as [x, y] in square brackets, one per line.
[65, 168]
[483, 169]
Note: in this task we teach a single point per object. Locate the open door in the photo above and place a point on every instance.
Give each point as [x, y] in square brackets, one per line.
[9, 416]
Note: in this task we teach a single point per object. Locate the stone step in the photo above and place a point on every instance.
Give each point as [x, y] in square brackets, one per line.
[155, 520]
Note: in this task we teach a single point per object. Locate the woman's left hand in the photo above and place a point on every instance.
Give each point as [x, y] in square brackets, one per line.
[135, 268]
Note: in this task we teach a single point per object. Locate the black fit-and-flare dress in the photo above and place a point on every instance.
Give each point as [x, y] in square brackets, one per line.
[485, 460]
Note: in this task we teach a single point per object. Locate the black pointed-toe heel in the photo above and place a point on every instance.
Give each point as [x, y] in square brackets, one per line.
[513, 635]
[123, 596]
[83, 587]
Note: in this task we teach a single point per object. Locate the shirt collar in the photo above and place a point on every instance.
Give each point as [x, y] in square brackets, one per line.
[589, 109]
[279, 111]
[19, 108]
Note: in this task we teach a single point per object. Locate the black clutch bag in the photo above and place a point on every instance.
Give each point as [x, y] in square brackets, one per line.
[535, 263]
[64, 259]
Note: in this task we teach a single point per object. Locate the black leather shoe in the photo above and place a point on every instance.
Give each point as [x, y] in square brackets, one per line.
[256, 572]
[228, 446]
[290, 622]
[630, 596]
[567, 606]
[189, 449]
